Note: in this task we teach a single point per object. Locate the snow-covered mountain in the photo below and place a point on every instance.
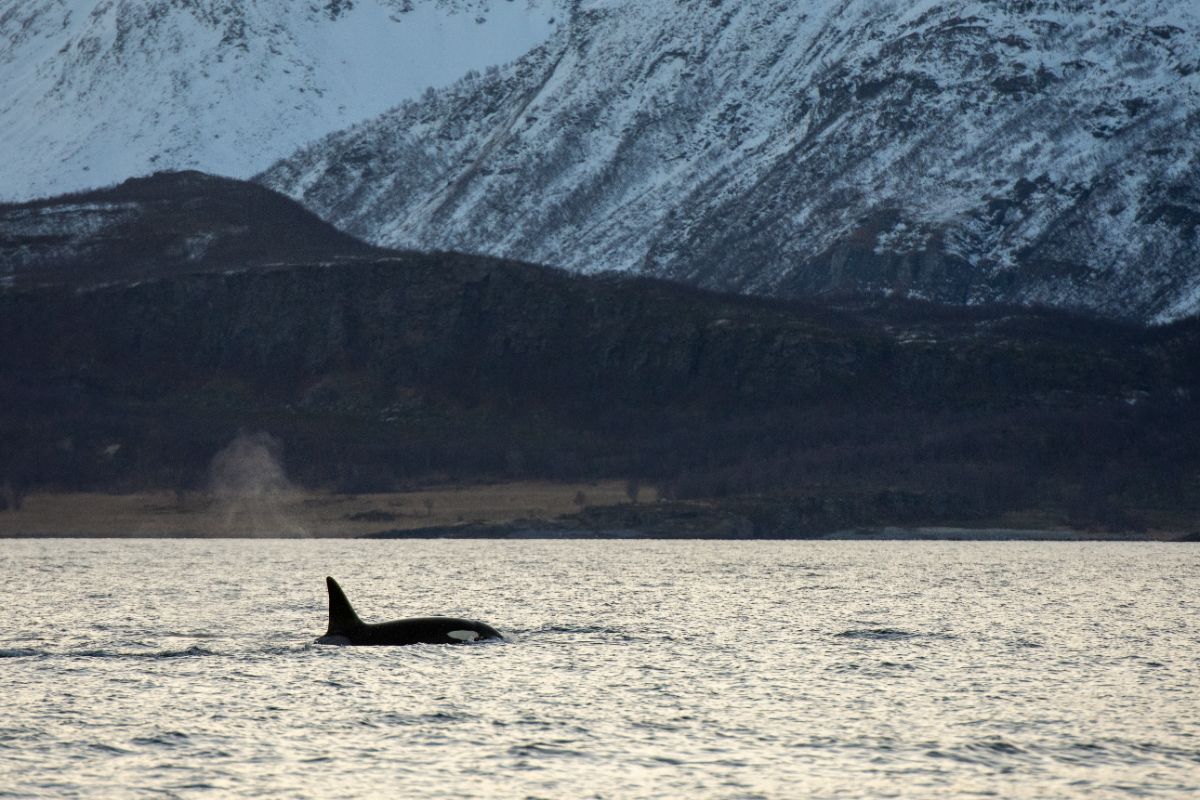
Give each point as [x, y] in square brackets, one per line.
[96, 91]
[1042, 151]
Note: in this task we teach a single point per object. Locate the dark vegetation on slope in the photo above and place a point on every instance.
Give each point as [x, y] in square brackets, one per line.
[444, 367]
[405, 369]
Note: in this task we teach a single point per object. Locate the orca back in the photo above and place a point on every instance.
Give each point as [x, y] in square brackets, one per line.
[345, 627]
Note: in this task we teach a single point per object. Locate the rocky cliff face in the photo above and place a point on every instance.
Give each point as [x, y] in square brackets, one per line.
[1033, 151]
[96, 91]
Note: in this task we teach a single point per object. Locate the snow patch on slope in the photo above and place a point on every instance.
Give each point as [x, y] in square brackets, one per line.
[95, 91]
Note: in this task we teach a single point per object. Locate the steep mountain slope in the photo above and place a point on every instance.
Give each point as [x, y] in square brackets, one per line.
[96, 91]
[1036, 151]
[168, 223]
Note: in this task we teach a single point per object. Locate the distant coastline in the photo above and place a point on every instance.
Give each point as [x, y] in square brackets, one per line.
[890, 533]
[512, 510]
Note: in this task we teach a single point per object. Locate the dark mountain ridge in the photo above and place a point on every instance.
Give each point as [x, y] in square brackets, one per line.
[402, 368]
[163, 224]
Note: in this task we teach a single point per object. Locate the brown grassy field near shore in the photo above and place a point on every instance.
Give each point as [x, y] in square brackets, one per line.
[300, 513]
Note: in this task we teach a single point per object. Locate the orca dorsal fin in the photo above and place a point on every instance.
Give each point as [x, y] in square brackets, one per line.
[341, 614]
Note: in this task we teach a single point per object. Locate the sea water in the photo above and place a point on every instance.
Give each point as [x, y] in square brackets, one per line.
[152, 668]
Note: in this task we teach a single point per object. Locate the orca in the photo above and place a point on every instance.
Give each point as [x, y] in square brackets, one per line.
[345, 628]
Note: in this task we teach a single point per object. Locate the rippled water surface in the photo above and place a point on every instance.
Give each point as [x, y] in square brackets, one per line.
[633, 669]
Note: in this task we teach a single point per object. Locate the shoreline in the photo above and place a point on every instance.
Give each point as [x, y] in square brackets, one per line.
[886, 534]
[500, 533]
[512, 510]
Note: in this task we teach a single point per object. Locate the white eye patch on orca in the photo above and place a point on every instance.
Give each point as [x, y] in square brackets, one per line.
[463, 636]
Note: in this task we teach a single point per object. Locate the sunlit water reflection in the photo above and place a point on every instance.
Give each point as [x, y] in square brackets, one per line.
[633, 669]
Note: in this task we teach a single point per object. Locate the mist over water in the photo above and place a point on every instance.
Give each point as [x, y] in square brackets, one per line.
[633, 669]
